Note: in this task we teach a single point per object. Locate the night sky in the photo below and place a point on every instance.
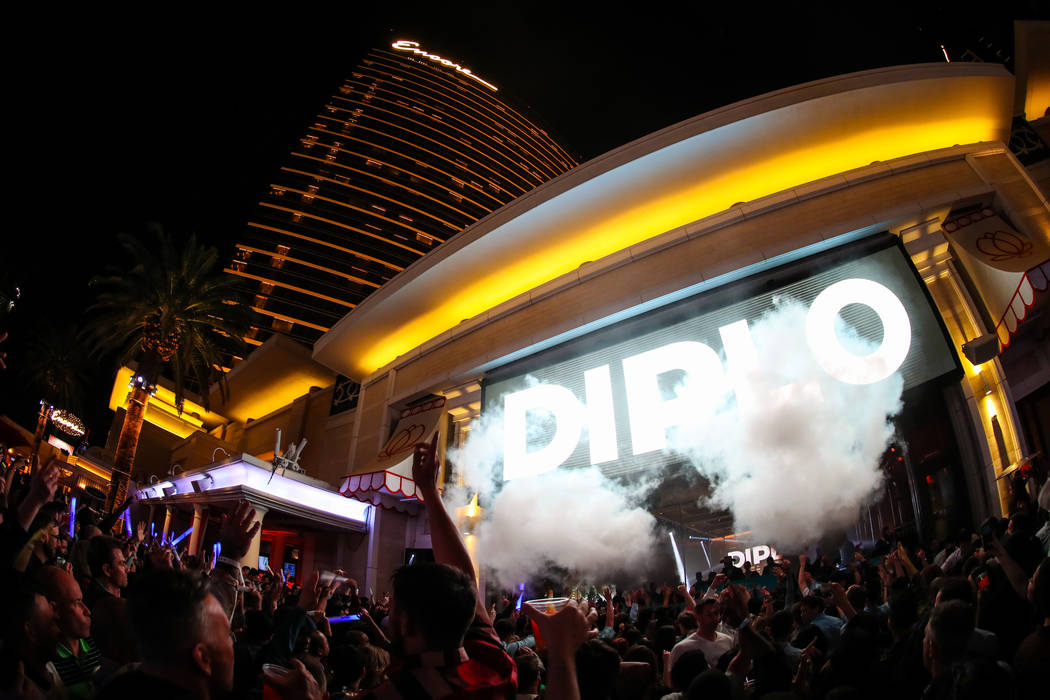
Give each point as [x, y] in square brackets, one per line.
[124, 119]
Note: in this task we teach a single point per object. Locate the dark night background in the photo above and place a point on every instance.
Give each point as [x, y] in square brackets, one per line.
[122, 119]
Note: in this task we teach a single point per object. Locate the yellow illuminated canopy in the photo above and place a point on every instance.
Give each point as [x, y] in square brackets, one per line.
[666, 180]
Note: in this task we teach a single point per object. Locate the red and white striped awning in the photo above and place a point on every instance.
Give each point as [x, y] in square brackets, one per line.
[387, 480]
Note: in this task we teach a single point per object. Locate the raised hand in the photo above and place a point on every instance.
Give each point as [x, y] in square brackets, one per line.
[237, 530]
[563, 631]
[44, 481]
[425, 466]
[294, 683]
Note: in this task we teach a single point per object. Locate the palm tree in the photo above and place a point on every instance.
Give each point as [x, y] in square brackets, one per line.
[173, 309]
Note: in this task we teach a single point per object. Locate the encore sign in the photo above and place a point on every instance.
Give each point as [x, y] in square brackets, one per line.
[413, 47]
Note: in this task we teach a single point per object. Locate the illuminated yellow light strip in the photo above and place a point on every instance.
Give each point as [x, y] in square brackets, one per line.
[530, 179]
[743, 161]
[508, 114]
[451, 114]
[394, 202]
[501, 150]
[363, 210]
[298, 261]
[328, 244]
[308, 215]
[391, 150]
[390, 183]
[387, 134]
[289, 319]
[484, 128]
[257, 278]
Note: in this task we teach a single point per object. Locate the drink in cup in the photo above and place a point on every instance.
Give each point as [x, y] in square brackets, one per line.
[547, 606]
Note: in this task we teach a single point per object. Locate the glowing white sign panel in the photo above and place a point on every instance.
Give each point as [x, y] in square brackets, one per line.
[651, 413]
[413, 47]
[755, 555]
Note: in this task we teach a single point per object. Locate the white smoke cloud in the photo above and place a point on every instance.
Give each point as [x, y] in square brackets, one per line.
[799, 462]
[792, 466]
[575, 519]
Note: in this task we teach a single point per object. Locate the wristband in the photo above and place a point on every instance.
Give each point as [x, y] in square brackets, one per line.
[229, 562]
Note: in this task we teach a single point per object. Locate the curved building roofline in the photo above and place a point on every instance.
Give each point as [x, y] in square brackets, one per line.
[688, 171]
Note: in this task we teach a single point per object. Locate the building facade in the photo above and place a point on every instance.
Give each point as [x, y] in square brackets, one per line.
[411, 149]
[877, 176]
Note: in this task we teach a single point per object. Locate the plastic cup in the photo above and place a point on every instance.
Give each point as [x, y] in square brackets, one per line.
[547, 606]
[269, 692]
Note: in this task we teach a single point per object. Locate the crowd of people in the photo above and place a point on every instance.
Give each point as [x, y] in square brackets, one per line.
[90, 614]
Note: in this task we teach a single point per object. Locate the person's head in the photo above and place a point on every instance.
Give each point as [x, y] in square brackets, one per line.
[810, 607]
[45, 524]
[708, 615]
[432, 607]
[317, 644]
[106, 561]
[597, 666]
[32, 628]
[74, 618]
[504, 628]
[376, 662]
[530, 668]
[857, 597]
[181, 628]
[686, 623]
[710, 685]
[348, 667]
[947, 634]
[688, 666]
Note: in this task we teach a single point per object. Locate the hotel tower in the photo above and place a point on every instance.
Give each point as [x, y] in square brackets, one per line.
[411, 149]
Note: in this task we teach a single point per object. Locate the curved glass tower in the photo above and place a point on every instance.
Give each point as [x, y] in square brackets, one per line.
[412, 149]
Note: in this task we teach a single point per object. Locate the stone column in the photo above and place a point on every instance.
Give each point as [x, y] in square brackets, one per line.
[200, 518]
[169, 514]
[251, 558]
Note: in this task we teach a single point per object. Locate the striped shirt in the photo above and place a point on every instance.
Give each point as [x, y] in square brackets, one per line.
[77, 671]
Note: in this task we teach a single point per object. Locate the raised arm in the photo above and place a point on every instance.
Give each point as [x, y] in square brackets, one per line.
[448, 546]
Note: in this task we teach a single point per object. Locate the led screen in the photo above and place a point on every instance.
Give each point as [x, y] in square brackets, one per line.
[602, 376]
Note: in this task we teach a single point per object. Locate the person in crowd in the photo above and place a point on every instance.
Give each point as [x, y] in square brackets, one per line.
[31, 637]
[77, 658]
[505, 628]
[707, 638]
[944, 644]
[813, 613]
[442, 636]
[183, 637]
[530, 670]
[1031, 662]
[108, 567]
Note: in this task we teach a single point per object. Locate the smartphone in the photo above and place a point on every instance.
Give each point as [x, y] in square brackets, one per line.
[344, 618]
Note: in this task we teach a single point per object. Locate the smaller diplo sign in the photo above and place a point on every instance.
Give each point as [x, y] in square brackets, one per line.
[753, 555]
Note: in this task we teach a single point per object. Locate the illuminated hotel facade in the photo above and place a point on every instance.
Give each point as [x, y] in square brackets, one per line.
[412, 149]
[898, 177]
